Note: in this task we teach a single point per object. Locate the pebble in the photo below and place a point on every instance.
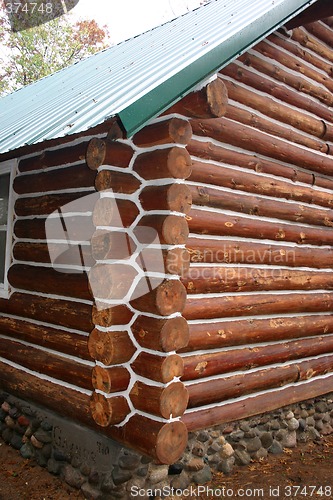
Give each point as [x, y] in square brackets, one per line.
[27, 450]
[120, 476]
[5, 407]
[293, 424]
[198, 450]
[182, 481]
[54, 467]
[22, 420]
[90, 493]
[266, 439]
[226, 466]
[275, 448]
[226, 451]
[203, 476]
[14, 412]
[195, 464]
[242, 457]
[43, 436]
[35, 442]
[10, 422]
[129, 461]
[72, 476]
[175, 469]
[203, 436]
[158, 473]
[253, 444]
[7, 434]
[16, 441]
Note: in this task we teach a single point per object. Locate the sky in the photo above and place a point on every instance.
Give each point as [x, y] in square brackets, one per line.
[127, 18]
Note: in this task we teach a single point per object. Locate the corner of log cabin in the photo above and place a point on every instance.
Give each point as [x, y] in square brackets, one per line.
[194, 285]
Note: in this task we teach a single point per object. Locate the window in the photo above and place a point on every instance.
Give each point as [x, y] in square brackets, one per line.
[5, 223]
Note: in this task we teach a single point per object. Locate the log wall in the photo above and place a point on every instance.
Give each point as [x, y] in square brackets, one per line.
[259, 304]
[182, 277]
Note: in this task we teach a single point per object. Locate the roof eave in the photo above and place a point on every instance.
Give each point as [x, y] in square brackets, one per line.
[137, 114]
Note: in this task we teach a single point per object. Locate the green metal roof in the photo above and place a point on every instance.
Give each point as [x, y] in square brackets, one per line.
[141, 77]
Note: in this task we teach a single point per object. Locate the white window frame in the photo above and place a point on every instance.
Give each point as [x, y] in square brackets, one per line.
[6, 167]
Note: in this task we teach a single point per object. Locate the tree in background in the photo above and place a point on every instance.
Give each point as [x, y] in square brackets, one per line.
[31, 54]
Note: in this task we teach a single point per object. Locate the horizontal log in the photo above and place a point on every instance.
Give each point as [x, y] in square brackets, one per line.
[172, 162]
[119, 182]
[163, 298]
[55, 311]
[303, 37]
[174, 197]
[114, 212]
[222, 389]
[272, 52]
[47, 363]
[208, 173]
[110, 380]
[260, 207]
[171, 229]
[169, 131]
[63, 254]
[205, 222]
[248, 279]
[244, 252]
[111, 281]
[259, 81]
[281, 112]
[216, 363]
[161, 334]
[110, 348]
[71, 403]
[54, 157]
[243, 136]
[48, 280]
[261, 403]
[322, 32]
[253, 119]
[55, 339]
[106, 315]
[303, 85]
[74, 177]
[113, 153]
[160, 368]
[75, 228]
[108, 411]
[250, 331]
[245, 305]
[167, 402]
[45, 205]
[208, 102]
[173, 261]
[164, 441]
[283, 40]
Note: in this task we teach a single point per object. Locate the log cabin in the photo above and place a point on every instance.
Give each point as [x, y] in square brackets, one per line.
[166, 226]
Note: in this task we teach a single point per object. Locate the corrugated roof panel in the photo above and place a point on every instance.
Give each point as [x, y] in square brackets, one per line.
[139, 78]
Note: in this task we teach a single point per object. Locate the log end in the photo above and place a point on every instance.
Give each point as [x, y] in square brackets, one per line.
[175, 334]
[217, 98]
[178, 262]
[170, 297]
[180, 130]
[95, 154]
[171, 442]
[107, 411]
[179, 198]
[175, 230]
[174, 400]
[172, 366]
[179, 163]
[100, 347]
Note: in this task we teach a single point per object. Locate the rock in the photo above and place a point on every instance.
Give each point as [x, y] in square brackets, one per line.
[198, 450]
[107, 484]
[142, 472]
[274, 425]
[327, 429]
[36, 443]
[326, 417]
[289, 415]
[261, 453]
[14, 412]
[290, 440]
[28, 432]
[5, 406]
[203, 476]
[195, 464]
[275, 448]
[23, 421]
[253, 444]
[281, 435]
[93, 477]
[203, 436]
[72, 476]
[27, 450]
[43, 436]
[60, 455]
[313, 434]
[120, 476]
[245, 427]
[213, 448]
[293, 424]
[40, 459]
[181, 482]
[3, 415]
[226, 451]
[266, 439]
[228, 429]
[226, 466]
[319, 425]
[7, 434]
[321, 407]
[85, 469]
[242, 457]
[46, 426]
[157, 474]
[10, 422]
[90, 493]
[129, 462]
[175, 469]
[47, 450]
[302, 425]
[16, 441]
[54, 467]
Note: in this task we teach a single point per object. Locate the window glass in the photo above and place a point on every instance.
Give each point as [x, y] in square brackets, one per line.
[4, 192]
[2, 255]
